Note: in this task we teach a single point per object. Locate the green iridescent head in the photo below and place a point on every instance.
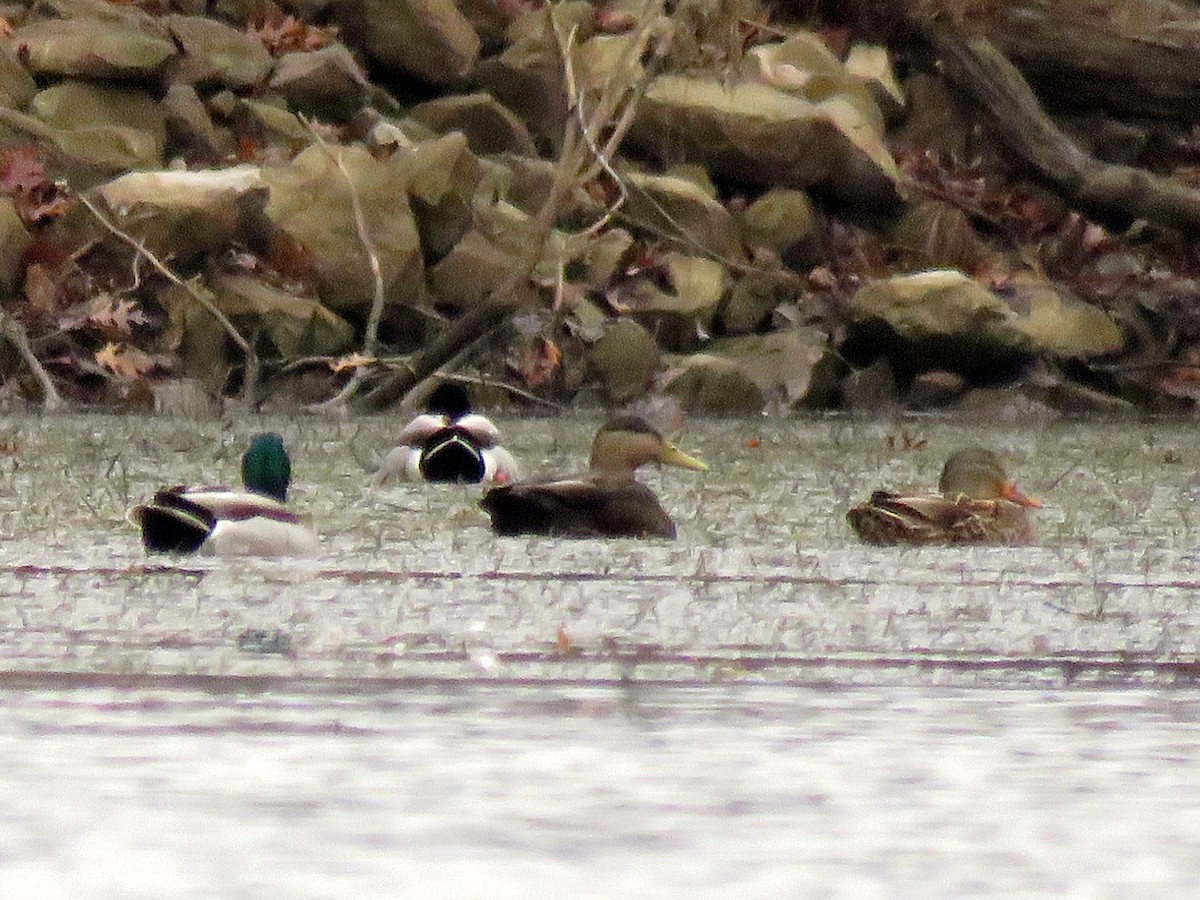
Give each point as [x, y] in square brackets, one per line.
[266, 467]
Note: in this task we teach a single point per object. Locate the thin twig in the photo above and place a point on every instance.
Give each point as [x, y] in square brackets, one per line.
[577, 154]
[378, 300]
[250, 382]
[52, 401]
[510, 388]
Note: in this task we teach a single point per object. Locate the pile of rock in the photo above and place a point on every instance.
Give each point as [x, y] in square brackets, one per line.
[267, 164]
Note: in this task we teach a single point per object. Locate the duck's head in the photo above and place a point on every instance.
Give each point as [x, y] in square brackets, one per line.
[449, 399]
[625, 443]
[979, 474]
[266, 467]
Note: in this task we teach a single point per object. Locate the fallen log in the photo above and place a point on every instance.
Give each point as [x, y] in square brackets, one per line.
[1115, 195]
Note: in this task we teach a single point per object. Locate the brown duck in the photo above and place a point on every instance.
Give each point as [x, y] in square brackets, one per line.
[606, 501]
[978, 504]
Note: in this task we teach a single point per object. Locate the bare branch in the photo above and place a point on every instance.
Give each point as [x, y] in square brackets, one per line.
[250, 382]
[52, 401]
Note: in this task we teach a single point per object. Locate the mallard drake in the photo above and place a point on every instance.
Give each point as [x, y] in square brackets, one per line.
[978, 504]
[606, 501]
[225, 522]
[449, 443]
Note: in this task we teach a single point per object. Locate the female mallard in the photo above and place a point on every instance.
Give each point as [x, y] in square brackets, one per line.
[607, 501]
[225, 522]
[449, 442]
[978, 505]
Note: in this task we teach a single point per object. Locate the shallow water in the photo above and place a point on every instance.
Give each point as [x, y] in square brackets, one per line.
[761, 708]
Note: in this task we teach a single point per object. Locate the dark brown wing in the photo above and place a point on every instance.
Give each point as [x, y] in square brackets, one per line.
[934, 519]
[580, 506]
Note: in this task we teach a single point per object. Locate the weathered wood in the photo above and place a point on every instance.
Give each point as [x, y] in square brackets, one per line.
[1114, 194]
[1076, 57]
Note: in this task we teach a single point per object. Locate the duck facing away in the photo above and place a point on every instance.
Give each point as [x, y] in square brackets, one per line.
[606, 501]
[978, 504]
[449, 443]
[226, 522]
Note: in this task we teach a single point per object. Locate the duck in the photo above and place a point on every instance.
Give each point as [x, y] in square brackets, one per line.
[225, 522]
[978, 504]
[449, 442]
[605, 501]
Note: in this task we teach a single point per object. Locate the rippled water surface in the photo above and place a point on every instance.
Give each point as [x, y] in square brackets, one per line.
[761, 708]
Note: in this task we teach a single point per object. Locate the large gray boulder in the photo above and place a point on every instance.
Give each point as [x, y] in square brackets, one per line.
[763, 135]
[945, 319]
[93, 48]
[216, 53]
[313, 202]
[430, 39]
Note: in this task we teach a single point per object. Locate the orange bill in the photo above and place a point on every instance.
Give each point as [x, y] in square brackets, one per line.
[1013, 493]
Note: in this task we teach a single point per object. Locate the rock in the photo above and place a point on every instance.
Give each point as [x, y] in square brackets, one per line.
[603, 256]
[740, 375]
[182, 189]
[485, 256]
[197, 339]
[870, 390]
[713, 385]
[782, 219]
[216, 53]
[804, 65]
[311, 201]
[939, 304]
[93, 48]
[442, 175]
[90, 148]
[270, 122]
[871, 66]
[184, 398]
[624, 360]
[526, 184]
[190, 127]
[296, 326]
[683, 316]
[76, 106]
[1047, 385]
[14, 240]
[930, 390]
[678, 206]
[430, 39]
[489, 20]
[527, 76]
[1060, 325]
[749, 303]
[17, 86]
[327, 83]
[182, 215]
[759, 134]
[466, 275]
[487, 125]
[944, 319]
[1001, 405]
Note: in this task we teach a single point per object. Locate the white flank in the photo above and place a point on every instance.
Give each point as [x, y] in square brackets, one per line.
[500, 467]
[262, 537]
[401, 464]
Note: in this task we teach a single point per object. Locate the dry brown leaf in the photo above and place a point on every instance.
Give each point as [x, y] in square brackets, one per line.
[287, 34]
[108, 314]
[353, 361]
[41, 288]
[540, 362]
[125, 361]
